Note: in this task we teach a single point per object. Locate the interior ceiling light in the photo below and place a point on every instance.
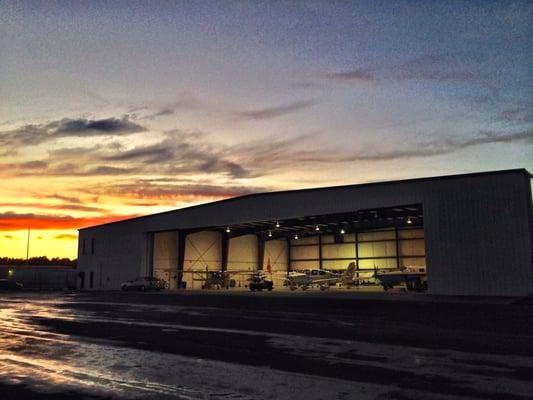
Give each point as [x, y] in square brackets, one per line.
[317, 228]
[342, 231]
[228, 230]
[295, 237]
[277, 224]
[409, 220]
[269, 233]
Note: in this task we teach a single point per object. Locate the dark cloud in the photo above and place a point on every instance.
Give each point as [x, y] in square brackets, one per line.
[277, 111]
[85, 127]
[35, 134]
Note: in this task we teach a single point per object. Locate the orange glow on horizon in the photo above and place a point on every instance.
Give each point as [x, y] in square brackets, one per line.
[16, 222]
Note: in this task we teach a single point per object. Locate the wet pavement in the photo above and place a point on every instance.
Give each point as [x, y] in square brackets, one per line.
[267, 346]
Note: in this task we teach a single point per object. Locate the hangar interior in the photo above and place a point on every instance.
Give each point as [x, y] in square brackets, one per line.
[373, 239]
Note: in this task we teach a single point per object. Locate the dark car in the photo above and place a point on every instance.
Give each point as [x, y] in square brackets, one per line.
[143, 284]
[259, 282]
[6, 284]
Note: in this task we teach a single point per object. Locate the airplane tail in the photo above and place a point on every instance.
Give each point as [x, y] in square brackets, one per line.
[351, 269]
[347, 277]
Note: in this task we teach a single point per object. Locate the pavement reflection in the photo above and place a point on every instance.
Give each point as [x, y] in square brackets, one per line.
[55, 344]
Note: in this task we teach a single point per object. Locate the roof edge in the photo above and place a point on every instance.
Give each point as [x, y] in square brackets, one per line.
[409, 180]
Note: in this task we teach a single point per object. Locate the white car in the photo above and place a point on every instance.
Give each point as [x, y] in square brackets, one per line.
[143, 284]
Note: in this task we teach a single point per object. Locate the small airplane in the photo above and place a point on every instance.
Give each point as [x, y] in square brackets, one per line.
[415, 278]
[319, 277]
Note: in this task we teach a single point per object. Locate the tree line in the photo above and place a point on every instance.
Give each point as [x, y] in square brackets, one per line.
[43, 260]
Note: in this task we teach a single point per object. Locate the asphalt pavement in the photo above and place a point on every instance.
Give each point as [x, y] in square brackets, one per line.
[241, 345]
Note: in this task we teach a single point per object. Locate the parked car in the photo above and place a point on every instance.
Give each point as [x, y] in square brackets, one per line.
[6, 284]
[144, 283]
[260, 282]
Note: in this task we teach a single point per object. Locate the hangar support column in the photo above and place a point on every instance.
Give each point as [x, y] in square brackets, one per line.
[260, 252]
[182, 237]
[288, 255]
[224, 241]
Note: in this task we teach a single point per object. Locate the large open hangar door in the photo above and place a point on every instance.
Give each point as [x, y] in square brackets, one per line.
[373, 240]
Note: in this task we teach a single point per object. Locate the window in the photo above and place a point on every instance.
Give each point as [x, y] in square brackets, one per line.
[91, 280]
[92, 246]
[83, 252]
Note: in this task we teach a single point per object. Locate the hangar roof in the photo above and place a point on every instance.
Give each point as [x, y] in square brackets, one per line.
[323, 189]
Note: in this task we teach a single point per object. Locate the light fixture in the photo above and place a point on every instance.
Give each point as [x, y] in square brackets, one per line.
[295, 237]
[409, 220]
[317, 228]
[269, 233]
[342, 231]
[228, 230]
[277, 224]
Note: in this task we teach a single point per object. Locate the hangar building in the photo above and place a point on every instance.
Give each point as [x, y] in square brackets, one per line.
[472, 232]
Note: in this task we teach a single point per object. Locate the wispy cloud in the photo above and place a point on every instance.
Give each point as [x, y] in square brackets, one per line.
[441, 146]
[353, 75]
[176, 191]
[9, 237]
[276, 111]
[66, 236]
[520, 114]
[44, 206]
[159, 113]
[68, 199]
[430, 67]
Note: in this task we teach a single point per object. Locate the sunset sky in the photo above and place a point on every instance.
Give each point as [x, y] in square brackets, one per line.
[115, 109]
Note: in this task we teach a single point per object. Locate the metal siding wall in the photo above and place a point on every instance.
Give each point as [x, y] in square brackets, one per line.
[119, 256]
[476, 238]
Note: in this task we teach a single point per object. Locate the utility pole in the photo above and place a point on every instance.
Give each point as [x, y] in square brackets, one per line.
[28, 246]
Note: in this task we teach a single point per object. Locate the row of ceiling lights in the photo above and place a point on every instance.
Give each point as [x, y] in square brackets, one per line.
[317, 228]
